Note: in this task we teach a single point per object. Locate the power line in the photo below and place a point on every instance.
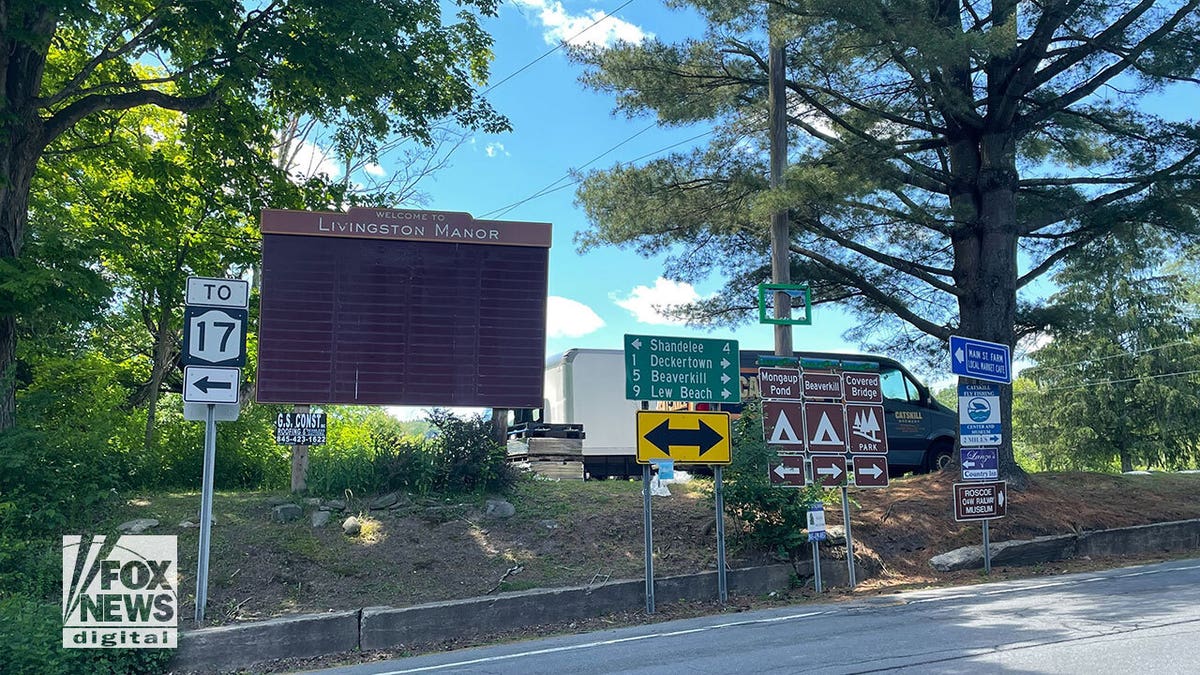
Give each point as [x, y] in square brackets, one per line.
[550, 188]
[1114, 356]
[1121, 381]
[556, 47]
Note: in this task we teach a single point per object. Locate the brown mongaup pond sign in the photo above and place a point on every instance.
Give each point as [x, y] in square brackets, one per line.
[402, 307]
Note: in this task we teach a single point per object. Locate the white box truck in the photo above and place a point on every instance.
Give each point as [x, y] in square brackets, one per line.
[587, 386]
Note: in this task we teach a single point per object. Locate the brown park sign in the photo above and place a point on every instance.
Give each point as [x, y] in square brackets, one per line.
[870, 471]
[783, 425]
[980, 501]
[825, 427]
[862, 387]
[829, 470]
[787, 471]
[779, 383]
[868, 433]
[822, 385]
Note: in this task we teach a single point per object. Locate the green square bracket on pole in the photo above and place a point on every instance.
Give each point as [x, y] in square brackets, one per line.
[793, 291]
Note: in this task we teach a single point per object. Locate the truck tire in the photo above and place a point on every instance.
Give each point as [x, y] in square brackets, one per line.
[939, 455]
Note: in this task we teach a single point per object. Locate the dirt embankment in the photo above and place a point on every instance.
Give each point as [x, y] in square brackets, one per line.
[573, 533]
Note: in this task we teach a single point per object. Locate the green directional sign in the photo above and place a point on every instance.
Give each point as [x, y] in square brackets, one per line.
[697, 370]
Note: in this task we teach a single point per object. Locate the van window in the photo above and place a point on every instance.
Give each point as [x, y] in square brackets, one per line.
[896, 386]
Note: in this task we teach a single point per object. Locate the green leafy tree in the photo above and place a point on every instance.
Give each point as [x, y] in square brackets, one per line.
[369, 68]
[1117, 383]
[944, 155]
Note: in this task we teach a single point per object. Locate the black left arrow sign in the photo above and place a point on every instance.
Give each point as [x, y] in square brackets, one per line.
[663, 437]
[204, 384]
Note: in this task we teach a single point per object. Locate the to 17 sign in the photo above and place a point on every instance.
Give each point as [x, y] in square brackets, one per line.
[214, 336]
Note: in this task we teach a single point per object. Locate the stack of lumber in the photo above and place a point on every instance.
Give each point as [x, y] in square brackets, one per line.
[551, 453]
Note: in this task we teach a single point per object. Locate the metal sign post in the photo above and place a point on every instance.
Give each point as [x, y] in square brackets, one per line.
[816, 535]
[214, 348]
[722, 588]
[646, 524]
[849, 538]
[987, 550]
[206, 505]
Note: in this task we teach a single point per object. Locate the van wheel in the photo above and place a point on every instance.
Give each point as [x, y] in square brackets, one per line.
[939, 455]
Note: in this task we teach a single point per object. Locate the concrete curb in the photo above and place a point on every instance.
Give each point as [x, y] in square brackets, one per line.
[387, 627]
[230, 647]
[1173, 536]
[244, 645]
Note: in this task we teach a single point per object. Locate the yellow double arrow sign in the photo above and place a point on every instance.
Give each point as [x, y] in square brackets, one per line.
[684, 436]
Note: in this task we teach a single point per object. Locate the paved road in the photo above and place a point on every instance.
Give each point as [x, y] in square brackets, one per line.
[1134, 620]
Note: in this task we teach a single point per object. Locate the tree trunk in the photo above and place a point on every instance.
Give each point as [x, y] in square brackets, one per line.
[158, 369]
[985, 265]
[19, 161]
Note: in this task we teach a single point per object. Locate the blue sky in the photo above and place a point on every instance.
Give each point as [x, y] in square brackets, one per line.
[559, 125]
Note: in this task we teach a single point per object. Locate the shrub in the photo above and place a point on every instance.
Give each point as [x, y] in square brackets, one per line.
[773, 518]
[31, 643]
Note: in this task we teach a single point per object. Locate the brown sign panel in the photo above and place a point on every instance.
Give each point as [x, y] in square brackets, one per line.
[867, 431]
[829, 470]
[779, 383]
[787, 471]
[870, 472]
[825, 427]
[980, 501]
[371, 321]
[822, 385]
[783, 425]
[862, 387]
[406, 224]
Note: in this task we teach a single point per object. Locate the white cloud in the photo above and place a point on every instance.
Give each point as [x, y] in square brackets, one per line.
[569, 318]
[312, 160]
[577, 29]
[496, 148]
[373, 169]
[646, 304]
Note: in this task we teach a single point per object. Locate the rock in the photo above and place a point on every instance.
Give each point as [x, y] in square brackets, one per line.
[137, 526]
[498, 508]
[335, 505]
[549, 524]
[320, 518]
[187, 525]
[312, 501]
[286, 513]
[351, 526]
[276, 500]
[211, 521]
[384, 501]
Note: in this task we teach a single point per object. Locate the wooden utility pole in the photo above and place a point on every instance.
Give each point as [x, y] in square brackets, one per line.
[781, 271]
[300, 459]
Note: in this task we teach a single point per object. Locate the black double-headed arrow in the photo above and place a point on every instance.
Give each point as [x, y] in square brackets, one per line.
[663, 437]
[204, 384]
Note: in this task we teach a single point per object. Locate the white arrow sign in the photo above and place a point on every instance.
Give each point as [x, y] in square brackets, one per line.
[968, 465]
[873, 471]
[725, 378]
[785, 471]
[202, 384]
[959, 355]
[637, 344]
[832, 471]
[725, 393]
[1000, 498]
[724, 363]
